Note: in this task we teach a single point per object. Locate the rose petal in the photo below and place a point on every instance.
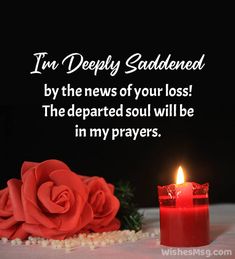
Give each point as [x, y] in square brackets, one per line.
[97, 201]
[14, 186]
[111, 187]
[43, 170]
[61, 233]
[33, 213]
[20, 233]
[55, 199]
[84, 177]
[8, 232]
[112, 226]
[110, 206]
[7, 223]
[5, 204]
[26, 166]
[71, 219]
[107, 216]
[32, 178]
[72, 180]
[86, 217]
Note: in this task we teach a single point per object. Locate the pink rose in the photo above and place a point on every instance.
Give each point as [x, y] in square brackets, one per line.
[11, 211]
[104, 205]
[54, 200]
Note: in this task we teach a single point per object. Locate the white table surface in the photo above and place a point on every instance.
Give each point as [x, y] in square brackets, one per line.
[222, 225]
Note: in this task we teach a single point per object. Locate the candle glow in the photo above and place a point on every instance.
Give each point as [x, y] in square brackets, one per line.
[180, 176]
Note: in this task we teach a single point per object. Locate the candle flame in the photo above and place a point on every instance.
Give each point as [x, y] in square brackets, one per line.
[180, 176]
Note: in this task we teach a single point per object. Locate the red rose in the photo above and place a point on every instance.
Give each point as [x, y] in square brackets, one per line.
[11, 211]
[54, 200]
[104, 205]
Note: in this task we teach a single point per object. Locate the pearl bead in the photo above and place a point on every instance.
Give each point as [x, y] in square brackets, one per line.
[19, 242]
[27, 243]
[44, 243]
[103, 243]
[4, 240]
[91, 240]
[13, 242]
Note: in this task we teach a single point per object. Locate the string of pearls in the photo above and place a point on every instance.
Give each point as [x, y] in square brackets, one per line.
[91, 240]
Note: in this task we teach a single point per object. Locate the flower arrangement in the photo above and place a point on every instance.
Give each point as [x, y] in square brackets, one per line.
[51, 201]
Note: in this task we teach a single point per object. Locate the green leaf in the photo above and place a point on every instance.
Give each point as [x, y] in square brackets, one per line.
[128, 213]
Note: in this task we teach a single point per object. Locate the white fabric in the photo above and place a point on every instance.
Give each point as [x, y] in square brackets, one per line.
[222, 222]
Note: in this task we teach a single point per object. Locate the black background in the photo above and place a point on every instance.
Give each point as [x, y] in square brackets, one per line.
[203, 145]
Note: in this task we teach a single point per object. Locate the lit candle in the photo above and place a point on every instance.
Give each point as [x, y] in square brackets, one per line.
[184, 213]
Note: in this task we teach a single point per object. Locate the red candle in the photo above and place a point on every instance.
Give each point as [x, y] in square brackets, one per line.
[184, 213]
